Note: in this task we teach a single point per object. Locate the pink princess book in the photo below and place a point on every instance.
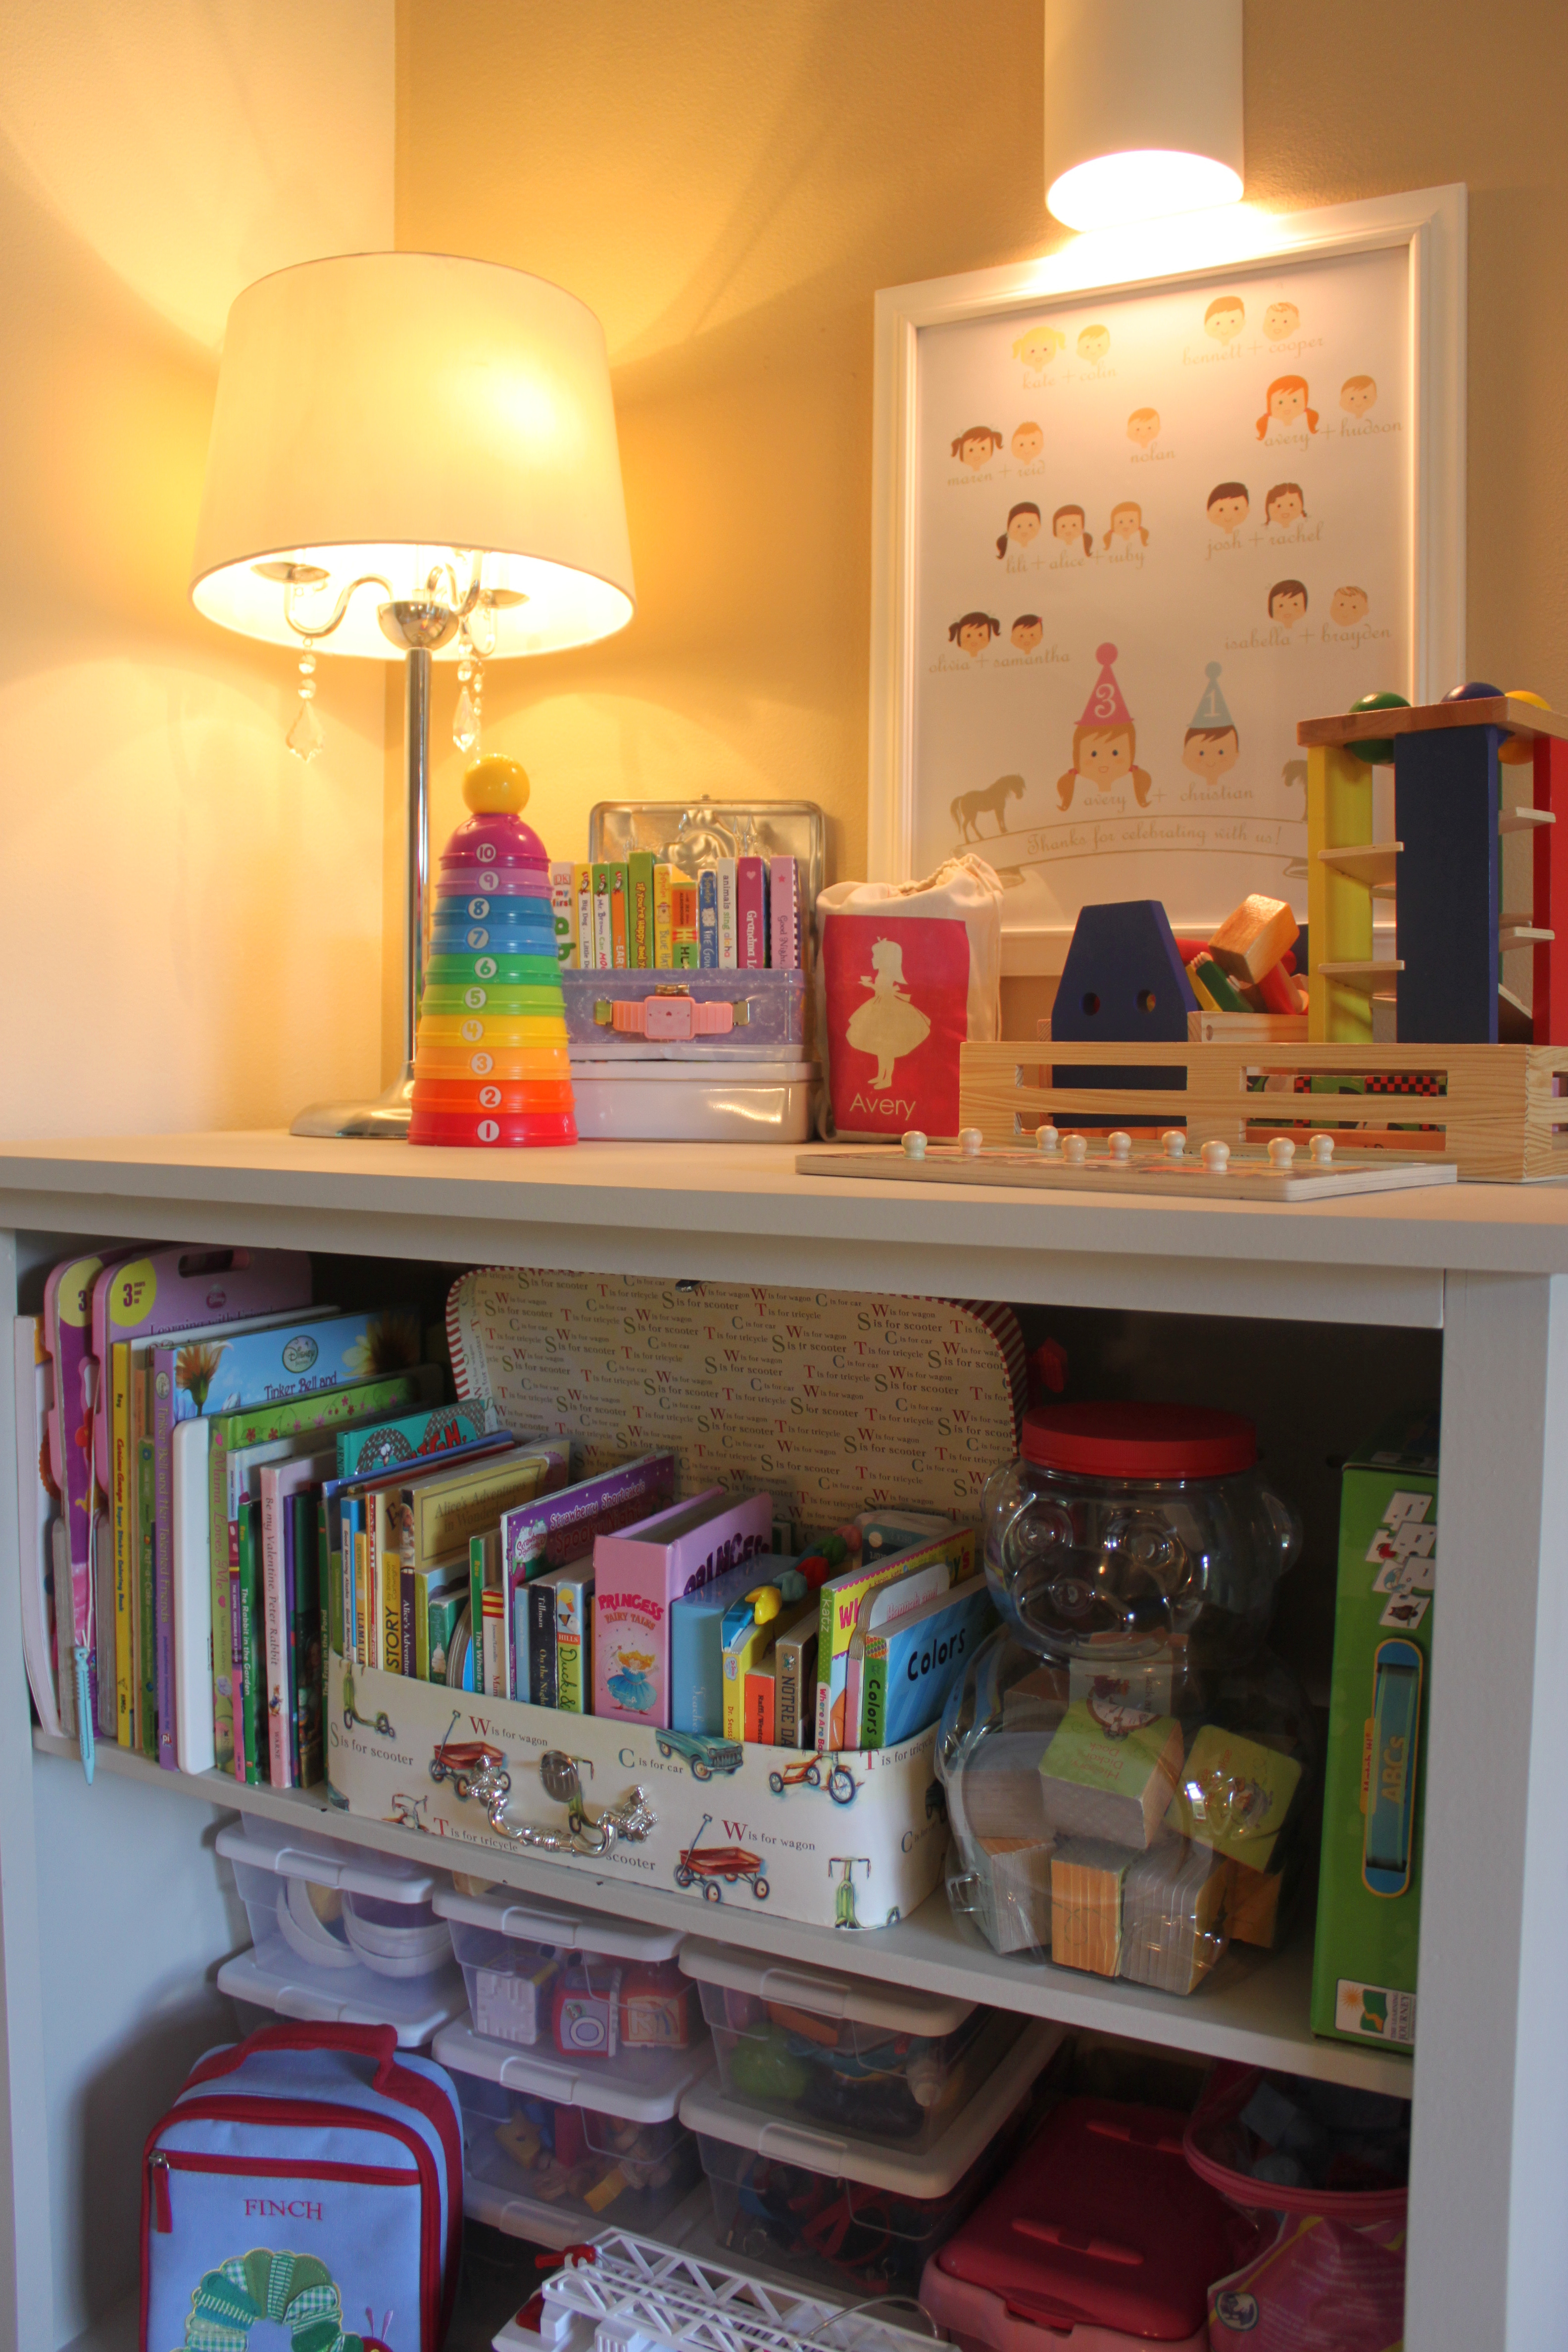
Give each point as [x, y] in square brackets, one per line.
[637, 1573]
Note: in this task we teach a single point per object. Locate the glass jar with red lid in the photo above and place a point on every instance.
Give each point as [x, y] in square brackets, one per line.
[1129, 1770]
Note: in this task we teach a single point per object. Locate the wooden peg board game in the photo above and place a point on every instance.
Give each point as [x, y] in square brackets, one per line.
[1499, 1112]
[1146, 1169]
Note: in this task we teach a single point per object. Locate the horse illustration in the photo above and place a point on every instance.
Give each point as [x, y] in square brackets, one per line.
[969, 807]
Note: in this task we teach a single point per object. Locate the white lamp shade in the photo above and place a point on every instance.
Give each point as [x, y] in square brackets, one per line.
[1144, 108]
[377, 411]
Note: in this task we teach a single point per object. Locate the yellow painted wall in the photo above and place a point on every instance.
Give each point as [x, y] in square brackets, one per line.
[728, 187]
[191, 921]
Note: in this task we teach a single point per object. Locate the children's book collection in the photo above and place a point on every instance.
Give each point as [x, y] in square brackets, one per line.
[588, 1564]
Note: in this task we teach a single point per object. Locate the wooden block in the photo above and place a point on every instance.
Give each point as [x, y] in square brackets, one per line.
[1236, 1796]
[1016, 1906]
[1252, 1905]
[1368, 726]
[1278, 990]
[1217, 985]
[1172, 1902]
[1445, 805]
[1339, 901]
[1253, 937]
[1086, 1876]
[1102, 1780]
[999, 1791]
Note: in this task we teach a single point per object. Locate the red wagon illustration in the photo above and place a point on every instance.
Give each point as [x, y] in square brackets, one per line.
[465, 1762]
[711, 1864]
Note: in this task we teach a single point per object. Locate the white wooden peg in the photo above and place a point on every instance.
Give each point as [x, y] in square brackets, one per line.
[1175, 1142]
[1047, 1138]
[914, 1143]
[1215, 1159]
[1121, 1145]
[1323, 1149]
[1075, 1150]
[971, 1139]
[1281, 1152]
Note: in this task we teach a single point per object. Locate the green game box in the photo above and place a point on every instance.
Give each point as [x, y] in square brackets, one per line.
[1369, 1887]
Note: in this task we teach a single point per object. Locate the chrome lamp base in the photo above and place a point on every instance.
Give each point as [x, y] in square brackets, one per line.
[385, 1121]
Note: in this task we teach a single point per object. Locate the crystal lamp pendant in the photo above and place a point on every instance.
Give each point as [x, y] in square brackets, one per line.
[307, 736]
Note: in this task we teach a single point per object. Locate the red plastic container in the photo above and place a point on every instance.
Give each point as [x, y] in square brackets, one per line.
[1100, 2239]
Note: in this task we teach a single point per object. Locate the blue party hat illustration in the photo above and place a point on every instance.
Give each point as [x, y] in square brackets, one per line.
[1212, 710]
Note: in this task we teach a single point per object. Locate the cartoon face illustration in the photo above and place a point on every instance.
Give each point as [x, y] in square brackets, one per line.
[973, 632]
[1067, 525]
[1027, 630]
[977, 445]
[1027, 443]
[1038, 346]
[1093, 342]
[1284, 505]
[1127, 523]
[1228, 505]
[1022, 525]
[1143, 426]
[1210, 752]
[1280, 319]
[1357, 395]
[1104, 755]
[1286, 403]
[1224, 318]
[1287, 603]
[1348, 606]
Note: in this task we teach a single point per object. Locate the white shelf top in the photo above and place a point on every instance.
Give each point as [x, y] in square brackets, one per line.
[1261, 2020]
[740, 1212]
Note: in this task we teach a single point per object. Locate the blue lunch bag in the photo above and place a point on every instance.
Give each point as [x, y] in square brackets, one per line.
[311, 2177]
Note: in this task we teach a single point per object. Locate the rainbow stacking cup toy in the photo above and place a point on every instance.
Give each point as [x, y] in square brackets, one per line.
[491, 1064]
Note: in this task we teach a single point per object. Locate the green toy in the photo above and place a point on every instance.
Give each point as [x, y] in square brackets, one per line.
[1369, 1892]
[1378, 753]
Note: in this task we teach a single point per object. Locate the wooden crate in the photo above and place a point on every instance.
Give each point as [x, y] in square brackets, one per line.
[1502, 1112]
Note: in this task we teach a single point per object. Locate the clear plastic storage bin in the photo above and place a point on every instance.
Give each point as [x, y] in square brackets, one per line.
[591, 2146]
[540, 1976]
[340, 1936]
[844, 2052]
[867, 2213]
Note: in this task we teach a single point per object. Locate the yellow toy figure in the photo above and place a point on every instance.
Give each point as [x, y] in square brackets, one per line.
[491, 1062]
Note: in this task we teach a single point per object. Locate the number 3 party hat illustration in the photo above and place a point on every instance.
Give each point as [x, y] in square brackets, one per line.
[1104, 742]
[490, 1062]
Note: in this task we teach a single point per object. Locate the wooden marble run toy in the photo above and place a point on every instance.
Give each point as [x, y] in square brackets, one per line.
[1442, 870]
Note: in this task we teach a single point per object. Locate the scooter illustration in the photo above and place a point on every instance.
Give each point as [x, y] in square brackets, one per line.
[382, 1723]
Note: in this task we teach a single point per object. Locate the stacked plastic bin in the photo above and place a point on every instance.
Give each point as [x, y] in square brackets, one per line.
[852, 2126]
[491, 1064]
[584, 2038]
[338, 1935]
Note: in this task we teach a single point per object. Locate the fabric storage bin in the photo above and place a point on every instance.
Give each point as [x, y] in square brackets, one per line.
[844, 2052]
[595, 2147]
[543, 1976]
[861, 2211]
[340, 1936]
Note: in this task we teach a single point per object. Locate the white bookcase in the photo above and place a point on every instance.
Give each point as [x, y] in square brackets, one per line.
[114, 1915]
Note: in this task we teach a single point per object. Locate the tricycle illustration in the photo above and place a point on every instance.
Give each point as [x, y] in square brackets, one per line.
[407, 1810]
[714, 1862]
[472, 1766]
[382, 1723]
[705, 1754]
[808, 1774]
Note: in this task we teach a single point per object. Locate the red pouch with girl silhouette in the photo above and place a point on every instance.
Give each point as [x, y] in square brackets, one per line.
[905, 973]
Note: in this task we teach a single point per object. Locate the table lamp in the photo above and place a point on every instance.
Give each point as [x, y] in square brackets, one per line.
[415, 452]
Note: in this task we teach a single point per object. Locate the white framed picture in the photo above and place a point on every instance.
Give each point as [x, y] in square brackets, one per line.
[1138, 508]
